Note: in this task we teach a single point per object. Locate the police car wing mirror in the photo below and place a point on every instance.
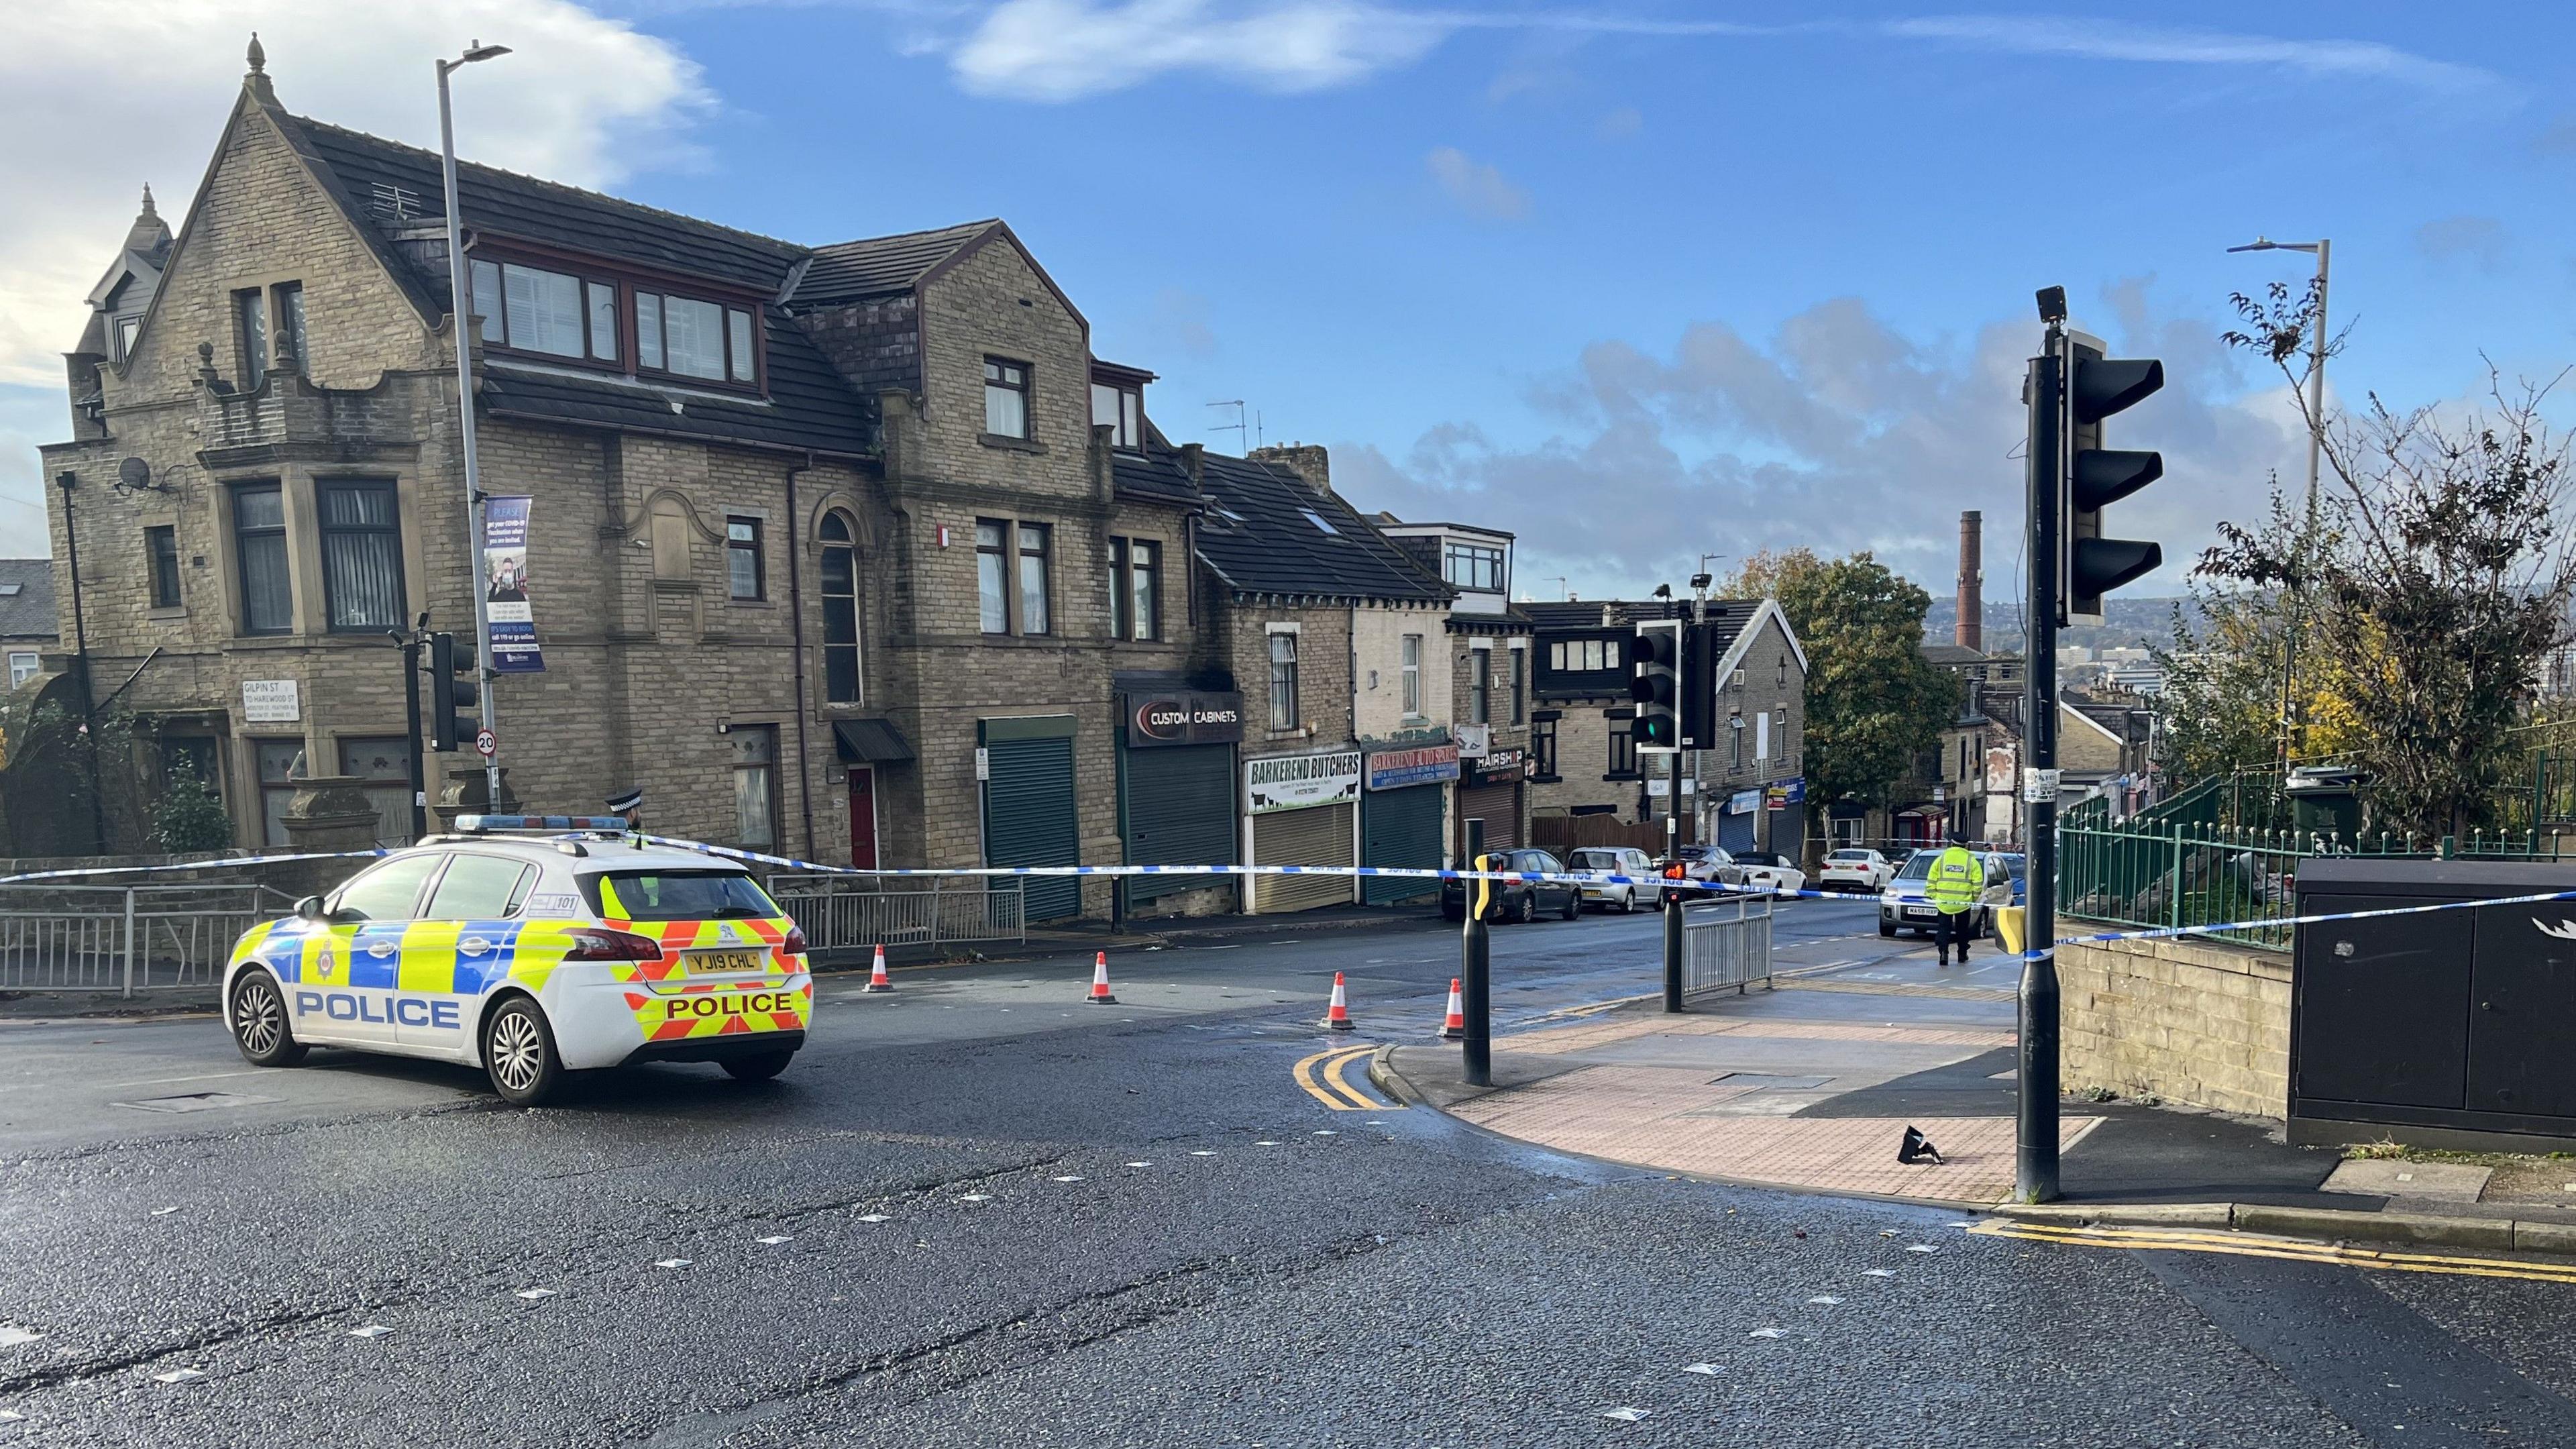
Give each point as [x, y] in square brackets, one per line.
[309, 908]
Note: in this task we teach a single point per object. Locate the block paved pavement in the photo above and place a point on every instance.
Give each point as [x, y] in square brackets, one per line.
[1813, 1084]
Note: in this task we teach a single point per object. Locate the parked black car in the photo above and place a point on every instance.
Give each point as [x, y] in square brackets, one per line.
[1519, 900]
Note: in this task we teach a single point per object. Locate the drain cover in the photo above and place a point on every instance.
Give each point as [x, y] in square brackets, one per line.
[194, 1102]
[1765, 1079]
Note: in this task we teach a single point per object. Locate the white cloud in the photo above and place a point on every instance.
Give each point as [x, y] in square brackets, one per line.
[1062, 50]
[1836, 432]
[2114, 40]
[1477, 186]
[133, 93]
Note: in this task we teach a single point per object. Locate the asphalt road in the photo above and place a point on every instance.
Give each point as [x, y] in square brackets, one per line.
[981, 1212]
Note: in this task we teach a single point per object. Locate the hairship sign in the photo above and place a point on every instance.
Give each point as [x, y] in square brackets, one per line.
[505, 587]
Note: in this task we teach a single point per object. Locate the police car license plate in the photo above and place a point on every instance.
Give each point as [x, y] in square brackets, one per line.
[1921, 912]
[721, 961]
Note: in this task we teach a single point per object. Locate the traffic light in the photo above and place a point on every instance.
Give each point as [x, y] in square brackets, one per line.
[2091, 565]
[454, 694]
[1698, 686]
[1656, 686]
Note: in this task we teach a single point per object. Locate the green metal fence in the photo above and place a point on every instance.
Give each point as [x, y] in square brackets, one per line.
[2157, 875]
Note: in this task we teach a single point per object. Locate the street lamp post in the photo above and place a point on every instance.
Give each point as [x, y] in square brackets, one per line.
[2324, 249]
[460, 308]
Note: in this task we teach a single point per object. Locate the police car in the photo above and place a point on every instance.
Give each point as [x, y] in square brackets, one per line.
[530, 946]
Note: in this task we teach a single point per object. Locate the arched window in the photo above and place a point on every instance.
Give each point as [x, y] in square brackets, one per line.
[840, 611]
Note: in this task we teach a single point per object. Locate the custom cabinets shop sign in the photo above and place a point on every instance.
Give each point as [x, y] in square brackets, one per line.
[1193, 718]
[1295, 782]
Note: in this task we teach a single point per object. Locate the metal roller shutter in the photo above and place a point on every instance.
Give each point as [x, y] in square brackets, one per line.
[1500, 808]
[1735, 832]
[1029, 820]
[1179, 811]
[1400, 828]
[1318, 836]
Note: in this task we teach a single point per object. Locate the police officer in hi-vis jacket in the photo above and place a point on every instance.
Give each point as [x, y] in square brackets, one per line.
[1958, 878]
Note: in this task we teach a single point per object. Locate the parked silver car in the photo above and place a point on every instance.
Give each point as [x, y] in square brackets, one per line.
[1624, 860]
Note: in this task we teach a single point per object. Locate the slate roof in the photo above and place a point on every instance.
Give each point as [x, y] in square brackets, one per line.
[809, 405]
[1584, 616]
[1951, 655]
[1257, 539]
[27, 598]
[1154, 475]
[847, 271]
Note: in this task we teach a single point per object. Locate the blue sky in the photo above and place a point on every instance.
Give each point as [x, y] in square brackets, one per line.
[1638, 281]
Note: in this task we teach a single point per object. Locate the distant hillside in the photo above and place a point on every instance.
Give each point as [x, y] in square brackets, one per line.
[2126, 623]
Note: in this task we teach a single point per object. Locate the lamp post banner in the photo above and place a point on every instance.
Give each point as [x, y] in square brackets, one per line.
[505, 587]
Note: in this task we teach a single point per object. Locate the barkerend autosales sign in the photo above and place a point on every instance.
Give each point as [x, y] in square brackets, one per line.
[1193, 717]
[1297, 782]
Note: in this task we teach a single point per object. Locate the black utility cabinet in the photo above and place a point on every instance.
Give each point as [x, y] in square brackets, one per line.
[2448, 1028]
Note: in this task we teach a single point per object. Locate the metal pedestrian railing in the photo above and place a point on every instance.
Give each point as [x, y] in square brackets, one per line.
[840, 913]
[124, 938]
[1721, 950]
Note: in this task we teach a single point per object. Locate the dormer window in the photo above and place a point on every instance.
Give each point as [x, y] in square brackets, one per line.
[689, 337]
[1472, 566]
[589, 319]
[1121, 409]
[126, 327]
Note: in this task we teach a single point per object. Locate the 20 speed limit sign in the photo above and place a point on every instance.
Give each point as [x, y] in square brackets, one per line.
[484, 744]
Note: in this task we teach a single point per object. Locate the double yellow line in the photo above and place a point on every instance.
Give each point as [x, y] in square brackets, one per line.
[1320, 1077]
[2246, 1245]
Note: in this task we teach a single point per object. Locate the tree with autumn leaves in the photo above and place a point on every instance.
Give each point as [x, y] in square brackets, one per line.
[1875, 706]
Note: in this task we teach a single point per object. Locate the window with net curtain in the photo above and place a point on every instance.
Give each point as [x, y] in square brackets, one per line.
[362, 575]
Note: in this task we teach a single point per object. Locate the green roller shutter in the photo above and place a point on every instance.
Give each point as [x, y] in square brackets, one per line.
[1029, 818]
[1400, 828]
[1178, 810]
[1320, 835]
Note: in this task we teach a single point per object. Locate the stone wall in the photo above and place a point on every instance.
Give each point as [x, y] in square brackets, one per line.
[2189, 1021]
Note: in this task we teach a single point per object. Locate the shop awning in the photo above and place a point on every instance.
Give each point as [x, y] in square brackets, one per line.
[868, 741]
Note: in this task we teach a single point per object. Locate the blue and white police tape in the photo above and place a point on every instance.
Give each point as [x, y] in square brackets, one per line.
[229, 862]
[1714, 888]
[1514, 877]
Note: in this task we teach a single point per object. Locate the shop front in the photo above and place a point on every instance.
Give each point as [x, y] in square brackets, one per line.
[1175, 788]
[1489, 789]
[1739, 819]
[1301, 810]
[1026, 767]
[1400, 818]
[1784, 813]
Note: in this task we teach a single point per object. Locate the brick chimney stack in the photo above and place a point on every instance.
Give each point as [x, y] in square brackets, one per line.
[1970, 631]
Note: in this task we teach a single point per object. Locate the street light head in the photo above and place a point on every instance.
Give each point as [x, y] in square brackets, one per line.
[477, 50]
[2259, 244]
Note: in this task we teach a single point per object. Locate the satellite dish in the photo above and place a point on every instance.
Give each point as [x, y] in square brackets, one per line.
[134, 474]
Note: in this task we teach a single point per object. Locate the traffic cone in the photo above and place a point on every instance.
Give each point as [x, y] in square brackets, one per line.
[1100, 982]
[1338, 1016]
[1455, 1029]
[877, 975]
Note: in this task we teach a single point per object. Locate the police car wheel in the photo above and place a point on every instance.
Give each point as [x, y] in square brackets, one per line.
[1528, 910]
[757, 1068]
[519, 1054]
[1885, 929]
[259, 1023]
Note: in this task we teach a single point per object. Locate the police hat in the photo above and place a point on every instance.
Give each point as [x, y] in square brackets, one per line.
[625, 800]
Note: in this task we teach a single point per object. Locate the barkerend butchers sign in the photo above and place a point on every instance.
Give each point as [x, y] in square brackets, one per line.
[1296, 782]
[1194, 717]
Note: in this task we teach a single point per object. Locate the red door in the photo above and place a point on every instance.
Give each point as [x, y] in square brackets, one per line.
[863, 817]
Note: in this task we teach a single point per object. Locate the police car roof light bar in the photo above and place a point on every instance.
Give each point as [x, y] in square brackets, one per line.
[486, 824]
